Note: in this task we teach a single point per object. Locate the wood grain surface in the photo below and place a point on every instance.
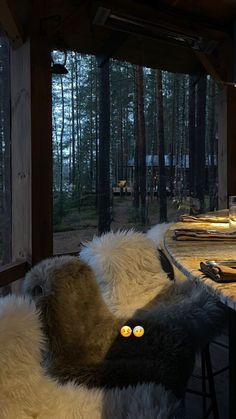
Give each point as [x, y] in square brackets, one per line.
[187, 255]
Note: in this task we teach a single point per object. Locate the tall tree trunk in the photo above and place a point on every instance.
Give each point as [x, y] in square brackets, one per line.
[72, 126]
[173, 135]
[191, 135]
[136, 150]
[104, 198]
[141, 149]
[78, 131]
[126, 135]
[212, 140]
[91, 174]
[57, 158]
[153, 183]
[121, 150]
[200, 137]
[61, 205]
[161, 138]
[177, 139]
[96, 137]
[182, 145]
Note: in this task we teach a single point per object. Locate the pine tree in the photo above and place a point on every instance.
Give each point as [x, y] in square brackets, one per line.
[161, 139]
[200, 168]
[104, 199]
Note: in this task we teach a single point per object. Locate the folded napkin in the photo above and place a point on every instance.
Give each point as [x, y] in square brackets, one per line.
[221, 271]
[204, 218]
[201, 234]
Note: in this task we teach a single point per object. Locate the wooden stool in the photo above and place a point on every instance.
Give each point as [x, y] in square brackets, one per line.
[206, 364]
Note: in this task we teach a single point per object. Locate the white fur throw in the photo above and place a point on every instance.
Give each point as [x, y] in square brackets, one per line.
[27, 393]
[127, 268]
[129, 271]
[132, 280]
[157, 232]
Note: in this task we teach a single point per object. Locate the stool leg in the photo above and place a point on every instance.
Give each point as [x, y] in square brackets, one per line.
[203, 367]
[211, 383]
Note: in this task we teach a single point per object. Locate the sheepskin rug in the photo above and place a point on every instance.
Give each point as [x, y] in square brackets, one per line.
[84, 337]
[27, 393]
[83, 334]
[128, 270]
[133, 283]
[130, 275]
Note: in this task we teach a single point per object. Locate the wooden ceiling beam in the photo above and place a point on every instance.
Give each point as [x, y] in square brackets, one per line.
[160, 26]
[10, 24]
[210, 67]
[110, 47]
[169, 20]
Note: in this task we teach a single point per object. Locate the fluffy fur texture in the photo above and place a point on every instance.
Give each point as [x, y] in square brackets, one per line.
[26, 393]
[128, 270]
[84, 340]
[157, 233]
[132, 281]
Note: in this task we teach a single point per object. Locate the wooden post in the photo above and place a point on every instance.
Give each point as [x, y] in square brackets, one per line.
[231, 140]
[226, 145]
[21, 152]
[41, 148]
[32, 232]
[226, 124]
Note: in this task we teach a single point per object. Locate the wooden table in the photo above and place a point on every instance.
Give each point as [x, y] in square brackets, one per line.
[186, 256]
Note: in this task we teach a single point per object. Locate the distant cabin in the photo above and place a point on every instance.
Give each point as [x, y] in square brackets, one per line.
[180, 166]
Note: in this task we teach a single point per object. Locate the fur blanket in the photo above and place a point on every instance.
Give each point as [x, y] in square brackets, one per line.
[129, 273]
[128, 270]
[27, 393]
[84, 338]
[132, 281]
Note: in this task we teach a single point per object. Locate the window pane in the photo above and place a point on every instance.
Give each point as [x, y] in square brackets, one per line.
[163, 147]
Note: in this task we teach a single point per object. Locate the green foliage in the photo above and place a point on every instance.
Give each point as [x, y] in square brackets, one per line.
[76, 136]
[73, 217]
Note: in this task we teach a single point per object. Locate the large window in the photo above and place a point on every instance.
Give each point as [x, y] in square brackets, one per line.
[184, 106]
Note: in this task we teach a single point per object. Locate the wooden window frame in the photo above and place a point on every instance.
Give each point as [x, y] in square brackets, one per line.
[31, 137]
[32, 203]
[13, 271]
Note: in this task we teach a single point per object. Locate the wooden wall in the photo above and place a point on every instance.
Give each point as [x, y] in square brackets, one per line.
[32, 148]
[21, 152]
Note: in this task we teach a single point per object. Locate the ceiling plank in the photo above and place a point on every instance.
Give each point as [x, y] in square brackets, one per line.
[10, 25]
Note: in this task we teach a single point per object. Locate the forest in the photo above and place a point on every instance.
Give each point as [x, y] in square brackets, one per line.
[153, 133]
[124, 136]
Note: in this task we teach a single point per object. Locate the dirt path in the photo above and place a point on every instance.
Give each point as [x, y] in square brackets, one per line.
[69, 241]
